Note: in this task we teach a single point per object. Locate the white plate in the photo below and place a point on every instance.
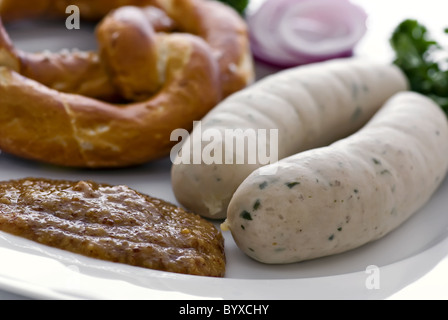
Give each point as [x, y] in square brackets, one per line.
[37, 271]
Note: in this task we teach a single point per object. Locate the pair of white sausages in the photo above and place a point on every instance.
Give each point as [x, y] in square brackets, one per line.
[322, 200]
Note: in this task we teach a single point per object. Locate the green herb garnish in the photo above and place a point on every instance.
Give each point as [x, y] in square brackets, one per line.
[291, 185]
[239, 5]
[257, 204]
[246, 215]
[423, 60]
[263, 185]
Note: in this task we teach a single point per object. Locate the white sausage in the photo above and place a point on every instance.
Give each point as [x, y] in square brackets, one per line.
[311, 106]
[336, 198]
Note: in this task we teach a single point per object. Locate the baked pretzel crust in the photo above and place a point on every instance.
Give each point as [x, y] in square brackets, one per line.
[90, 9]
[63, 108]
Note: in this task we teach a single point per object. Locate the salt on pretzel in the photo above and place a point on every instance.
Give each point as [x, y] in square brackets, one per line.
[47, 106]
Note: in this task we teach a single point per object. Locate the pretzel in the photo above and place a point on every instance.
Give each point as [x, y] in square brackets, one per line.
[74, 72]
[90, 9]
[67, 108]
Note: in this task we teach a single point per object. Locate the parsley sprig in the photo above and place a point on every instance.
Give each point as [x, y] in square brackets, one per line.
[238, 5]
[423, 60]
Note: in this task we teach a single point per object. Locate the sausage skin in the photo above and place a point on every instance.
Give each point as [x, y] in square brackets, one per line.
[332, 199]
[310, 106]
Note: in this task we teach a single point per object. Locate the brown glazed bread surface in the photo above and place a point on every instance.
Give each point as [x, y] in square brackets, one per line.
[113, 223]
[118, 107]
[89, 9]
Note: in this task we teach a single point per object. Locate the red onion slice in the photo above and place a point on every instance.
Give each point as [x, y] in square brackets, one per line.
[287, 33]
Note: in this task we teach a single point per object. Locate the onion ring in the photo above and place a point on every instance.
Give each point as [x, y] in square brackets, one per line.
[288, 33]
